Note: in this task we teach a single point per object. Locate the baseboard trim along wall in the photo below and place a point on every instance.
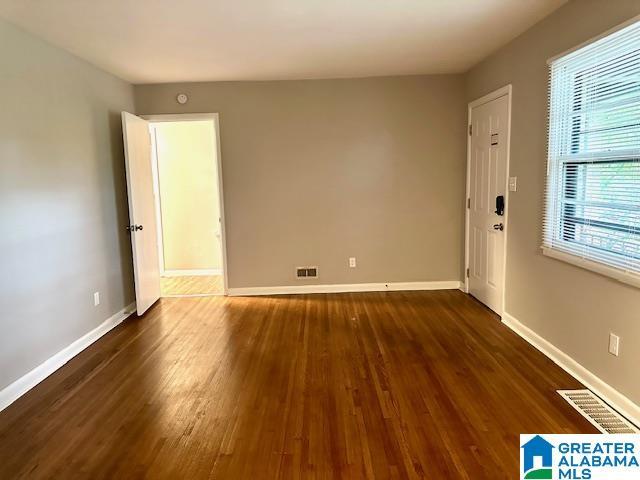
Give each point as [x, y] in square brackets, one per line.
[192, 273]
[345, 288]
[21, 386]
[606, 392]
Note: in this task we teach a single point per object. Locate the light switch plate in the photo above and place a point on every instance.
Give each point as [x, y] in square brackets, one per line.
[614, 344]
[513, 184]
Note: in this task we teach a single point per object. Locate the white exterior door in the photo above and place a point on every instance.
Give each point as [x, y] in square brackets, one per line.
[142, 215]
[487, 190]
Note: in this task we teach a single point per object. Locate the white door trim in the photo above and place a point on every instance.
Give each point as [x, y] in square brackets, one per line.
[190, 117]
[156, 192]
[501, 92]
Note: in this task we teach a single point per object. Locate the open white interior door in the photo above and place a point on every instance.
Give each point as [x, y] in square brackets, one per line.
[142, 215]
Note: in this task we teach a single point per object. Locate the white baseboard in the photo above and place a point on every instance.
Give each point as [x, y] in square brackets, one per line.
[192, 273]
[605, 391]
[344, 288]
[12, 392]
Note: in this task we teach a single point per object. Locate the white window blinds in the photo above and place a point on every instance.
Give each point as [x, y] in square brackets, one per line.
[592, 207]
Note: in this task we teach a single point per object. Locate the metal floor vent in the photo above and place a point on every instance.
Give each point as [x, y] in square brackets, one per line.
[601, 415]
[306, 272]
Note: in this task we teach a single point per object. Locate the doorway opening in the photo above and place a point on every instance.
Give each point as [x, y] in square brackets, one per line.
[188, 203]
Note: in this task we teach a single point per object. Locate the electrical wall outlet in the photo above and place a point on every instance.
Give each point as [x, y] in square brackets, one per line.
[96, 299]
[352, 262]
[513, 184]
[614, 344]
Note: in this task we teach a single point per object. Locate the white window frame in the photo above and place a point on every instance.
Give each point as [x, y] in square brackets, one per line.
[630, 278]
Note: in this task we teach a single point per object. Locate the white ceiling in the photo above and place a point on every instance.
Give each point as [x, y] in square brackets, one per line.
[152, 41]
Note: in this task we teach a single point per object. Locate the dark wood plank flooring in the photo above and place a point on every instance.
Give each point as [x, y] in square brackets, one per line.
[365, 385]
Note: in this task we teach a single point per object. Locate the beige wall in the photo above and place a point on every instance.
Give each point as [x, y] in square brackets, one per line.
[188, 181]
[572, 308]
[318, 171]
[63, 203]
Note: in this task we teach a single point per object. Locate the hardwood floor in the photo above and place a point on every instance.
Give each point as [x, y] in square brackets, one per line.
[365, 385]
[192, 285]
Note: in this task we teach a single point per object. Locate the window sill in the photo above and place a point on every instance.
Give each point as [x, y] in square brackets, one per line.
[611, 272]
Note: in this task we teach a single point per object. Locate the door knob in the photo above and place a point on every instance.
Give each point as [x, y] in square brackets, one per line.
[498, 226]
[138, 227]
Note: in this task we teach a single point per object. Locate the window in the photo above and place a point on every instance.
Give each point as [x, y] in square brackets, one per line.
[592, 208]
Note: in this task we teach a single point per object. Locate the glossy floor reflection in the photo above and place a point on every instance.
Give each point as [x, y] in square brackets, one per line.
[364, 385]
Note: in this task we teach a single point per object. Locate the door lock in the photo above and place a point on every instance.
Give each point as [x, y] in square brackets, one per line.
[500, 205]
[498, 226]
[133, 228]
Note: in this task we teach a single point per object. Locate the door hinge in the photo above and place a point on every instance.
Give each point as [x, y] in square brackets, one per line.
[470, 129]
[468, 202]
[467, 272]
